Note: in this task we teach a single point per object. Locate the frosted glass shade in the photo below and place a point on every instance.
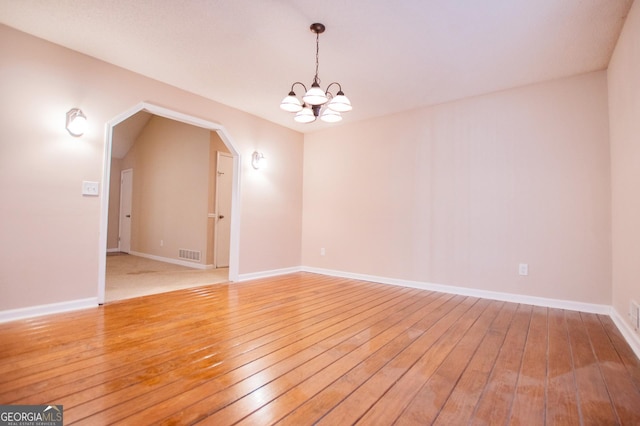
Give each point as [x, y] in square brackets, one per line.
[291, 103]
[305, 115]
[340, 103]
[330, 116]
[315, 95]
[258, 161]
[76, 122]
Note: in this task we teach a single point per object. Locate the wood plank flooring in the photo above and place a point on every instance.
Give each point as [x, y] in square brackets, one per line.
[306, 349]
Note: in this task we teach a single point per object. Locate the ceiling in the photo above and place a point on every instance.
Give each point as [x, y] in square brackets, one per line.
[389, 56]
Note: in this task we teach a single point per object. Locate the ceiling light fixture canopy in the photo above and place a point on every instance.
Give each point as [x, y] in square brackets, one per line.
[315, 98]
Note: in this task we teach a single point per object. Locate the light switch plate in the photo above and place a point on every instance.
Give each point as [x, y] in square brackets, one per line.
[90, 188]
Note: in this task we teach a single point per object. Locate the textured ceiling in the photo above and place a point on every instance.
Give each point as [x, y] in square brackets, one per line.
[389, 56]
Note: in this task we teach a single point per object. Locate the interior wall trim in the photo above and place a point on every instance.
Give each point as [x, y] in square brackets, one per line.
[464, 291]
[628, 333]
[632, 338]
[52, 308]
[267, 274]
[171, 260]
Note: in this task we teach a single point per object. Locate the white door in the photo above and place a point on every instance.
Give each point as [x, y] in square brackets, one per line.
[223, 210]
[126, 189]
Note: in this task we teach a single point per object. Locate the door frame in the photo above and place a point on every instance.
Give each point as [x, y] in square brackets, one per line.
[122, 173]
[234, 246]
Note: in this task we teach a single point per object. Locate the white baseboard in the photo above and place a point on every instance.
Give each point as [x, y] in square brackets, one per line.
[172, 261]
[484, 294]
[53, 308]
[630, 335]
[113, 250]
[266, 274]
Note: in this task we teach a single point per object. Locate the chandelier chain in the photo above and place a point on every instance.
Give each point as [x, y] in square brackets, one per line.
[316, 78]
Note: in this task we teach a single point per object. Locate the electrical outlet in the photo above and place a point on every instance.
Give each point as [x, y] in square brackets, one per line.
[523, 269]
[322, 251]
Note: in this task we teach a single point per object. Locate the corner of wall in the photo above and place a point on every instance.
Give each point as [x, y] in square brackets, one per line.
[632, 338]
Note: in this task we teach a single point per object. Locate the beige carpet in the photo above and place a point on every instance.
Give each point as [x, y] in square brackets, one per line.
[133, 276]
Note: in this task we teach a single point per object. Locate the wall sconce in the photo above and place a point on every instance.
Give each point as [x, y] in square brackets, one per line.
[258, 161]
[76, 122]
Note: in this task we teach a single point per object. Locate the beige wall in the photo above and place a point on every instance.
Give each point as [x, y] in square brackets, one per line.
[49, 231]
[624, 106]
[456, 194]
[461, 193]
[170, 188]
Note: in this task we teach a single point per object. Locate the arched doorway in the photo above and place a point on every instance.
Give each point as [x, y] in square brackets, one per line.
[104, 197]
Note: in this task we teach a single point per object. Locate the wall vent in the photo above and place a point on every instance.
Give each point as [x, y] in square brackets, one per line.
[192, 255]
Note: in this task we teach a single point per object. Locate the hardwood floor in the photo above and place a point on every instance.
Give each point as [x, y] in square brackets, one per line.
[306, 348]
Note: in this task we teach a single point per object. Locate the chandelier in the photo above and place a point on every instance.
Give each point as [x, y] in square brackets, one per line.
[315, 98]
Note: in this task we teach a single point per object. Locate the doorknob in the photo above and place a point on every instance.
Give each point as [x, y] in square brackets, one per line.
[128, 215]
[220, 216]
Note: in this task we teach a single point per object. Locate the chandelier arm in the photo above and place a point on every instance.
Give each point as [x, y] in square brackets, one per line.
[329, 86]
[301, 84]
